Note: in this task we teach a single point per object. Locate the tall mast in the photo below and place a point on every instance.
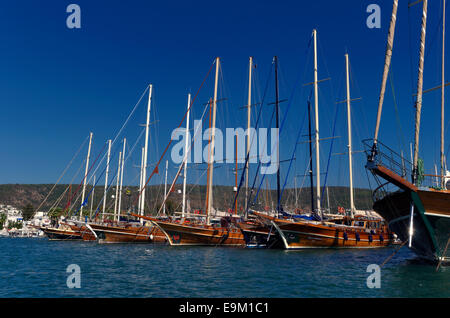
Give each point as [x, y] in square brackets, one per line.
[249, 113]
[165, 189]
[328, 201]
[147, 126]
[275, 59]
[442, 101]
[311, 173]
[418, 114]
[387, 63]
[296, 196]
[213, 133]
[121, 179]
[236, 173]
[349, 128]
[92, 201]
[419, 89]
[106, 179]
[185, 157]
[85, 175]
[140, 203]
[316, 110]
[117, 185]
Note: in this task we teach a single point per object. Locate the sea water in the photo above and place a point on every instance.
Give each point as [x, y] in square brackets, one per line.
[31, 267]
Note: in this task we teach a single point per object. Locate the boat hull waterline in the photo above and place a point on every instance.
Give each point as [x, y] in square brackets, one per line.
[304, 235]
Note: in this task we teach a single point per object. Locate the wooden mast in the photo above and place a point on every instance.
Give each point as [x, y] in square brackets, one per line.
[316, 110]
[418, 114]
[165, 189]
[117, 185]
[442, 101]
[349, 129]
[147, 126]
[235, 173]
[141, 182]
[121, 179]
[85, 175]
[277, 106]
[185, 157]
[387, 63]
[249, 113]
[311, 172]
[213, 134]
[106, 179]
[419, 90]
[92, 200]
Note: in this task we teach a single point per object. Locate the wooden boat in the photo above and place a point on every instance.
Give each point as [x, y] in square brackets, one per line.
[301, 234]
[258, 235]
[127, 233]
[431, 219]
[191, 233]
[199, 230]
[85, 231]
[418, 213]
[63, 233]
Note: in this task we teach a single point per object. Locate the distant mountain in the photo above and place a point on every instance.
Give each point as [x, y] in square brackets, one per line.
[19, 195]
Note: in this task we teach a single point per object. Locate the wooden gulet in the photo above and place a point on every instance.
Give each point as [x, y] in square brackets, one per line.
[349, 232]
[119, 231]
[418, 214]
[194, 231]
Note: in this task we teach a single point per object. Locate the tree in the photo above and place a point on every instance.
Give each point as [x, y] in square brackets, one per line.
[2, 220]
[28, 212]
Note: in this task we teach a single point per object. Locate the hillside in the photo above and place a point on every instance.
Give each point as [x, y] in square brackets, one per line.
[19, 195]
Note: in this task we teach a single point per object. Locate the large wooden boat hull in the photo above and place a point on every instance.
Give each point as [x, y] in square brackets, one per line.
[55, 234]
[85, 232]
[310, 234]
[258, 235]
[200, 235]
[128, 234]
[431, 220]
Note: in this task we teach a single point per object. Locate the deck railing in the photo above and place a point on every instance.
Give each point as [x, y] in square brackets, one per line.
[397, 163]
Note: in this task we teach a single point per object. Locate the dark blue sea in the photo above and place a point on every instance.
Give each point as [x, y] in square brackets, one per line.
[31, 267]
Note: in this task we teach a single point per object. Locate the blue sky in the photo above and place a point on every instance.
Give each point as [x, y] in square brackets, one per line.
[58, 84]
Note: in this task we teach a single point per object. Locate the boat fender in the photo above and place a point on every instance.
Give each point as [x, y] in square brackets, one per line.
[345, 236]
[370, 238]
[357, 237]
[381, 238]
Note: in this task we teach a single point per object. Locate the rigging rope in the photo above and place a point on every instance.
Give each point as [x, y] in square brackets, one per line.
[170, 142]
[65, 170]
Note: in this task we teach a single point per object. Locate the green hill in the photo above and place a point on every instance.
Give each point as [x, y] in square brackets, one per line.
[19, 195]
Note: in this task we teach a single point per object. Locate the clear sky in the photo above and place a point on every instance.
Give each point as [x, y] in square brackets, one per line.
[58, 84]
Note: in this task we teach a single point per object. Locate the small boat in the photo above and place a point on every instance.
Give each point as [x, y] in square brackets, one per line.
[61, 233]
